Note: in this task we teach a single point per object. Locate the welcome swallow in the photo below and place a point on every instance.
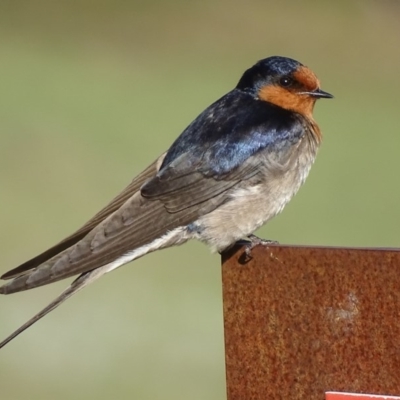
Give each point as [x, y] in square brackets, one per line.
[230, 171]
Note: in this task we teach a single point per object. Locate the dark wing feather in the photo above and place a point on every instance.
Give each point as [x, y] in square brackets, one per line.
[137, 222]
[132, 188]
[178, 188]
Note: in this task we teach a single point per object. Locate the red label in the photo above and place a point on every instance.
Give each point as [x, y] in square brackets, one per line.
[356, 396]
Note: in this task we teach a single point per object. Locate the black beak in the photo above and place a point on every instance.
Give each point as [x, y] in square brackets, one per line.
[320, 94]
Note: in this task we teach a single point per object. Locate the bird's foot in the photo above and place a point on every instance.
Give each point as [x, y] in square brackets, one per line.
[255, 241]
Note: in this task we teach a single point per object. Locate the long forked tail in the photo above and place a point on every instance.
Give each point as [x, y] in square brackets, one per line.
[78, 284]
[175, 237]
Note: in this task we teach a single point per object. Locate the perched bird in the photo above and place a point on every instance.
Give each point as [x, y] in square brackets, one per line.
[231, 170]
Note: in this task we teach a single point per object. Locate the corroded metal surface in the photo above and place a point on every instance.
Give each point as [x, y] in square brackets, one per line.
[301, 321]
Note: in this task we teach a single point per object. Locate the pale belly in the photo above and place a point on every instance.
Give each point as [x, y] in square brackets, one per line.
[251, 207]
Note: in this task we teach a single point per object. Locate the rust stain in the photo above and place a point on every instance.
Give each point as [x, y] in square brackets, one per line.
[300, 321]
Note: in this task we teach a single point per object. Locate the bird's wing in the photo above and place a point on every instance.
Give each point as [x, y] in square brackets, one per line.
[116, 203]
[186, 194]
[175, 197]
[181, 185]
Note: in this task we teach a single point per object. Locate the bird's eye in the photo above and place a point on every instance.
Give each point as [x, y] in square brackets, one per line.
[286, 81]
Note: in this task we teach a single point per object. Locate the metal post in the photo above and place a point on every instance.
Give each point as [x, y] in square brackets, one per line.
[303, 321]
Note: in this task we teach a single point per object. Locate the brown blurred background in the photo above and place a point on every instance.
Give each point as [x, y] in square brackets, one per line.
[91, 92]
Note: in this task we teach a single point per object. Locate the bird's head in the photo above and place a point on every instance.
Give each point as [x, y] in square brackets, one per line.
[283, 82]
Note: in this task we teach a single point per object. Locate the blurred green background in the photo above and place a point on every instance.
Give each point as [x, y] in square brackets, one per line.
[92, 91]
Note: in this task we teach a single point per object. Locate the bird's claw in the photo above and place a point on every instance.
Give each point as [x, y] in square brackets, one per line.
[256, 241]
